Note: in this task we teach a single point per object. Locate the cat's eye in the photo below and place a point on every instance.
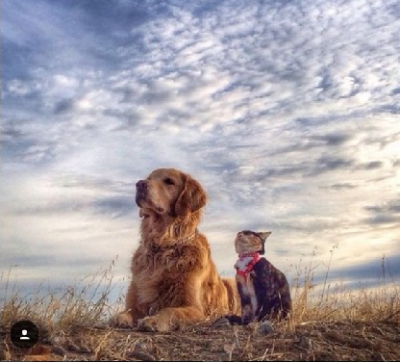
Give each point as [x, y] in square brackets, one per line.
[169, 181]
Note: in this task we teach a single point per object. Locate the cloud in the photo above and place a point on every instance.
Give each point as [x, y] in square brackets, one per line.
[373, 165]
[388, 213]
[321, 141]
[328, 163]
[288, 122]
[343, 186]
[384, 267]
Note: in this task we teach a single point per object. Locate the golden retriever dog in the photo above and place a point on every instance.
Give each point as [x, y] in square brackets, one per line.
[174, 280]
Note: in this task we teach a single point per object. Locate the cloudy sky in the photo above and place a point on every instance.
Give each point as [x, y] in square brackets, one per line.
[286, 111]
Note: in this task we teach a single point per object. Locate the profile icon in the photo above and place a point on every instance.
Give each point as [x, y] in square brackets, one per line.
[24, 334]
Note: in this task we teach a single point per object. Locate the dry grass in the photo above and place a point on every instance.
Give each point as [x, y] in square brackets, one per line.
[333, 324]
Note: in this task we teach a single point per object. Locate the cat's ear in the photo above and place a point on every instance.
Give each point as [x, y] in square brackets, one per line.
[263, 236]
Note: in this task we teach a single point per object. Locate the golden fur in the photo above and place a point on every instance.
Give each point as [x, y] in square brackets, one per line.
[174, 280]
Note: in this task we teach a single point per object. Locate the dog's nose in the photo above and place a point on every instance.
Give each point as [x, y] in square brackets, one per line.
[141, 185]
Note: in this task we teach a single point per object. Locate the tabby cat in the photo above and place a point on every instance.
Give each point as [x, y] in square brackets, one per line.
[264, 290]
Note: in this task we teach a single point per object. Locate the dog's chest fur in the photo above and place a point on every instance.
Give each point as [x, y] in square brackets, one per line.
[161, 274]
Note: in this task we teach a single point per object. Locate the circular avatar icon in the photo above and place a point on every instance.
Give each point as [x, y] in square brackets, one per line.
[24, 334]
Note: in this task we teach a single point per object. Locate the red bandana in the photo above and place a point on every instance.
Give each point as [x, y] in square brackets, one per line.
[246, 262]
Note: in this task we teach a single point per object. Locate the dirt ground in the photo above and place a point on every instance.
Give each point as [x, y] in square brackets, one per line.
[329, 341]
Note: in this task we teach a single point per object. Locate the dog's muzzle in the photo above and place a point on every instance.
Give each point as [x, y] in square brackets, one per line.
[141, 191]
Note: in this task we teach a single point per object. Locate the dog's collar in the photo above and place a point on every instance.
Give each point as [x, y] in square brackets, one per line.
[155, 248]
[246, 263]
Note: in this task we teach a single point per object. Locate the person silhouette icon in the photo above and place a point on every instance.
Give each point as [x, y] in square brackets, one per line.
[24, 335]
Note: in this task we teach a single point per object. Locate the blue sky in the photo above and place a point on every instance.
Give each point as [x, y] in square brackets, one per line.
[286, 111]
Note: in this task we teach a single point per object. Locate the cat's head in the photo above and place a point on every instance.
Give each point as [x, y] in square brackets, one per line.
[250, 241]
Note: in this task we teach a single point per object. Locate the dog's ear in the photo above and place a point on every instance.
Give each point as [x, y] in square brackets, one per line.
[191, 199]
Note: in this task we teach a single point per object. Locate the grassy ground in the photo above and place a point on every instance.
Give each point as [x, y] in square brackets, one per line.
[339, 325]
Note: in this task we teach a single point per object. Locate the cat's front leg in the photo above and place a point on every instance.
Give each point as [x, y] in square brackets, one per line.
[247, 314]
[245, 300]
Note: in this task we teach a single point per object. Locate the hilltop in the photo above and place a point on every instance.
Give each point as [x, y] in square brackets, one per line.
[341, 325]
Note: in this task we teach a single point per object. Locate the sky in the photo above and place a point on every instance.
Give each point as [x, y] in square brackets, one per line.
[287, 112]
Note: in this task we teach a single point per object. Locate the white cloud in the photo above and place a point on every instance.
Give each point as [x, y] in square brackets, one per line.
[271, 106]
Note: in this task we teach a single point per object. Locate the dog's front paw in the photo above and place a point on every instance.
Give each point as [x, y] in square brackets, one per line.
[154, 324]
[122, 320]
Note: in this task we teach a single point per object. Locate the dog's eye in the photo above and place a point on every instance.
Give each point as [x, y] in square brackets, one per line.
[169, 181]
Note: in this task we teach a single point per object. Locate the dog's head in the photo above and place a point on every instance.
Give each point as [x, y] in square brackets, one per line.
[169, 191]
